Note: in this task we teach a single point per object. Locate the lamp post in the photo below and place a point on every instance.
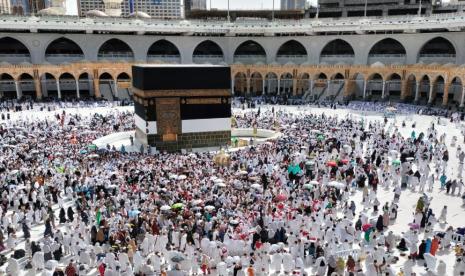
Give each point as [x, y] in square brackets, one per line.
[365, 10]
[228, 12]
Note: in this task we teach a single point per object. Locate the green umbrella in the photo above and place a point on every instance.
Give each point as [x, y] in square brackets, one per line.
[91, 147]
[177, 206]
[396, 162]
[320, 137]
[234, 139]
[83, 151]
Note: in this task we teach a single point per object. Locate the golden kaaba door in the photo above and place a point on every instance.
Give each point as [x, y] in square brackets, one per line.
[168, 118]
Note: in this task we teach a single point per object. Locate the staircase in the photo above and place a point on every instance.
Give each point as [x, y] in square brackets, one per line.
[123, 94]
[339, 94]
[106, 90]
[320, 91]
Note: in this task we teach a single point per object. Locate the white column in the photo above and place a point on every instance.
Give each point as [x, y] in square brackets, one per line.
[58, 89]
[232, 86]
[116, 88]
[383, 89]
[463, 96]
[417, 91]
[364, 89]
[19, 93]
[311, 87]
[78, 94]
[279, 86]
[430, 98]
[263, 87]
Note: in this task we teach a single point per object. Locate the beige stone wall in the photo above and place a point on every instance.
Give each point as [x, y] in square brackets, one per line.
[248, 78]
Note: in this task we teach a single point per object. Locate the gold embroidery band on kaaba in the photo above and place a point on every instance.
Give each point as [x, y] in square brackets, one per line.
[182, 93]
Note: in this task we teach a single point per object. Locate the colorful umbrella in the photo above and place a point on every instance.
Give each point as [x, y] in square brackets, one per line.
[281, 197]
[294, 169]
[345, 161]
[336, 184]
[91, 147]
[396, 162]
[331, 164]
[177, 206]
[366, 227]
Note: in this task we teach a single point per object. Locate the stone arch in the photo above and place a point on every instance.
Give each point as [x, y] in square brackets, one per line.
[256, 84]
[303, 83]
[387, 51]
[85, 85]
[271, 83]
[356, 86]
[337, 76]
[393, 87]
[63, 50]
[105, 76]
[49, 84]
[163, 51]
[286, 83]
[115, 49]
[107, 86]
[455, 91]
[240, 84]
[13, 51]
[437, 50]
[375, 84]
[337, 51]
[411, 92]
[123, 76]
[292, 51]
[425, 84]
[208, 51]
[436, 98]
[7, 86]
[250, 52]
[321, 76]
[27, 85]
[67, 86]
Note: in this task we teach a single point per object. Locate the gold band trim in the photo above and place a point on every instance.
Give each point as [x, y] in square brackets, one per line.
[182, 93]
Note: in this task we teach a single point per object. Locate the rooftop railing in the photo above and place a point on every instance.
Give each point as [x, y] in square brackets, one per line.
[118, 24]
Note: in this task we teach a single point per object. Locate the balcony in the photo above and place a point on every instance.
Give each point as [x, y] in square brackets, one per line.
[387, 59]
[213, 59]
[437, 58]
[7, 86]
[296, 59]
[335, 59]
[250, 59]
[15, 58]
[116, 56]
[61, 58]
[164, 58]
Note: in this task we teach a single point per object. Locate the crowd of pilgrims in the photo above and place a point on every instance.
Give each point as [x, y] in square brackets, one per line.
[280, 208]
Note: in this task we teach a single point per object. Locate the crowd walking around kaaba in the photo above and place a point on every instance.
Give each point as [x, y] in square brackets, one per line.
[311, 202]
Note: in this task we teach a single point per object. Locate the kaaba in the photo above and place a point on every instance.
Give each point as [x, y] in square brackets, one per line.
[182, 106]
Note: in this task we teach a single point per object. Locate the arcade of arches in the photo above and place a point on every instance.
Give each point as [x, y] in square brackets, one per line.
[426, 84]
